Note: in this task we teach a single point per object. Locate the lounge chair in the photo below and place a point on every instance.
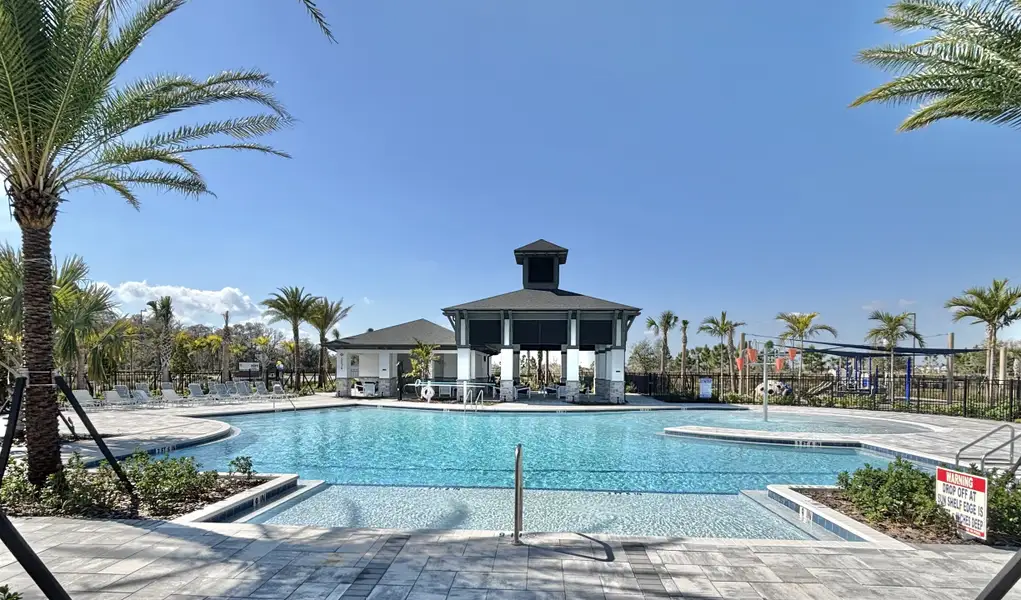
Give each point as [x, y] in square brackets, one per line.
[446, 390]
[262, 392]
[559, 391]
[244, 390]
[166, 385]
[85, 399]
[170, 396]
[142, 397]
[122, 391]
[227, 392]
[278, 391]
[113, 399]
[519, 389]
[198, 395]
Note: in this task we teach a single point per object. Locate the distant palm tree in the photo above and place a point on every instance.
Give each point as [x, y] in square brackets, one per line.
[163, 314]
[967, 68]
[889, 330]
[995, 306]
[684, 350]
[326, 315]
[723, 328]
[292, 305]
[225, 355]
[667, 321]
[80, 320]
[799, 327]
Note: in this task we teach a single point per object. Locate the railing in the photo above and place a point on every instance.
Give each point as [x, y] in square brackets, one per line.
[926, 394]
[985, 455]
[519, 494]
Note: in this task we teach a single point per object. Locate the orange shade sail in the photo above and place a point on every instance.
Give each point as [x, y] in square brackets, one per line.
[779, 363]
[753, 355]
[792, 352]
[740, 363]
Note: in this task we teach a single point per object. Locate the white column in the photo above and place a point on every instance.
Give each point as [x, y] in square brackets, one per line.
[507, 364]
[464, 364]
[342, 359]
[573, 358]
[616, 366]
[384, 364]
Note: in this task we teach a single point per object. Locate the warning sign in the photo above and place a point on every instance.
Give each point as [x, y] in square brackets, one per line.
[963, 496]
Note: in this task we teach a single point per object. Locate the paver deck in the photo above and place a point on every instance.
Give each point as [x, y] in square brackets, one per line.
[113, 560]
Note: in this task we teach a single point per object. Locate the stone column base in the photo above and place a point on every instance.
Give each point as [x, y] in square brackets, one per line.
[506, 390]
[615, 392]
[385, 387]
[343, 387]
[573, 388]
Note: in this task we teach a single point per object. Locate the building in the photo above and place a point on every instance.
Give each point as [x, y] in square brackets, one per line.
[539, 316]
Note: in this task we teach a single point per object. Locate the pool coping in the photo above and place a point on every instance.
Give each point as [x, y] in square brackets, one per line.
[845, 527]
[804, 440]
[274, 485]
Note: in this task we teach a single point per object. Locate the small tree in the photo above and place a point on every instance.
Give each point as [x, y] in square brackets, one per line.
[422, 357]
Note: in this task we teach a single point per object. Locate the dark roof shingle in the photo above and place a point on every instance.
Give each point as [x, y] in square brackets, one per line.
[404, 334]
[541, 246]
[528, 299]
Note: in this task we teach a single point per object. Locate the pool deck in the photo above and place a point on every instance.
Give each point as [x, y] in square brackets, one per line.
[156, 560]
[109, 560]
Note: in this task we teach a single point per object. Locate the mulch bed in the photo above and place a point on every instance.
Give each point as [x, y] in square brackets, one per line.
[836, 500]
[225, 487]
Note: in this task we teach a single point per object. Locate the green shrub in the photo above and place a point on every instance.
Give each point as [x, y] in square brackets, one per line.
[17, 493]
[73, 490]
[241, 465]
[7, 594]
[900, 493]
[1003, 508]
[163, 484]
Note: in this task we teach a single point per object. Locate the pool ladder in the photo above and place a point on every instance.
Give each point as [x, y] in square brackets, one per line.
[985, 456]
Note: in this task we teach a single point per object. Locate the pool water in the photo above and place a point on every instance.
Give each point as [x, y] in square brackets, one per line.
[605, 472]
[622, 451]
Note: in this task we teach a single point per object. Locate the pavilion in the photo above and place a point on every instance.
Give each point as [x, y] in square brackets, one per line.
[541, 316]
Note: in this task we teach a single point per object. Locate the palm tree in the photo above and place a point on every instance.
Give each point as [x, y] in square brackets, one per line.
[684, 351]
[994, 306]
[966, 68]
[163, 316]
[799, 327]
[293, 305]
[731, 351]
[69, 121]
[889, 330]
[80, 320]
[667, 321]
[723, 328]
[326, 315]
[225, 354]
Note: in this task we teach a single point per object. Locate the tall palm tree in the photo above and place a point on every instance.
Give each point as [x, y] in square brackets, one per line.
[80, 320]
[667, 321]
[800, 327]
[967, 67]
[684, 351]
[69, 121]
[325, 316]
[294, 306]
[723, 328]
[995, 306]
[731, 351]
[163, 317]
[889, 330]
[225, 354]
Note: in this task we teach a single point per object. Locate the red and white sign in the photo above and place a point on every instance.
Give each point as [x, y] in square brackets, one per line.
[963, 496]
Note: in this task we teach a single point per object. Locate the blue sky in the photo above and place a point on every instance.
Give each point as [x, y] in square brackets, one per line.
[692, 156]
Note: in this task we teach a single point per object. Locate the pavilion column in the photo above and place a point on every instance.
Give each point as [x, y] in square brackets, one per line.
[464, 351]
[508, 361]
[572, 358]
[343, 384]
[597, 372]
[563, 367]
[385, 383]
[615, 375]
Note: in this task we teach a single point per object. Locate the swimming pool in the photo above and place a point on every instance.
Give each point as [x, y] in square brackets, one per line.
[381, 461]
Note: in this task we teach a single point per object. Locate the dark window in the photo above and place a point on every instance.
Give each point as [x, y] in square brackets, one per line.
[482, 332]
[540, 333]
[595, 332]
[541, 269]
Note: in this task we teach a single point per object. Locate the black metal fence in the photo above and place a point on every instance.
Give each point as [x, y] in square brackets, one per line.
[962, 396]
[150, 380]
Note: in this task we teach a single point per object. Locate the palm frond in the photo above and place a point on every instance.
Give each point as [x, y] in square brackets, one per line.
[319, 18]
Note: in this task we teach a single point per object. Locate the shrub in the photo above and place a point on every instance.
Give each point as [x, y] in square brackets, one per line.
[7, 594]
[17, 493]
[73, 490]
[164, 483]
[241, 465]
[1003, 510]
[900, 493]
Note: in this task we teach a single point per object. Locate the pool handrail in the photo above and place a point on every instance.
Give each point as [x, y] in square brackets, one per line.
[1013, 437]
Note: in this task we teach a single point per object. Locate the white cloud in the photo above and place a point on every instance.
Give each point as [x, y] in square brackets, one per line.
[366, 300]
[191, 306]
[904, 303]
[871, 306]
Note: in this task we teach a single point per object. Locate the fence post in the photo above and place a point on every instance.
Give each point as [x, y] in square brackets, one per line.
[964, 400]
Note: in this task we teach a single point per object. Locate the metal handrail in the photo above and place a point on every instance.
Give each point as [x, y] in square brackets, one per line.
[519, 494]
[982, 462]
[1013, 436]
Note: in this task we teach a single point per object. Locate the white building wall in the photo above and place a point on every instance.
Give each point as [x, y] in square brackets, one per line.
[368, 365]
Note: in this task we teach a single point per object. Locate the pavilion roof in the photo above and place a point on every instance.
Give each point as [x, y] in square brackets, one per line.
[404, 335]
[541, 300]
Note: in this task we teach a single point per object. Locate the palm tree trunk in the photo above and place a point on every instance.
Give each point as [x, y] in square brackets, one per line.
[801, 365]
[80, 367]
[322, 361]
[891, 375]
[723, 349]
[42, 434]
[684, 361]
[294, 360]
[662, 356]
